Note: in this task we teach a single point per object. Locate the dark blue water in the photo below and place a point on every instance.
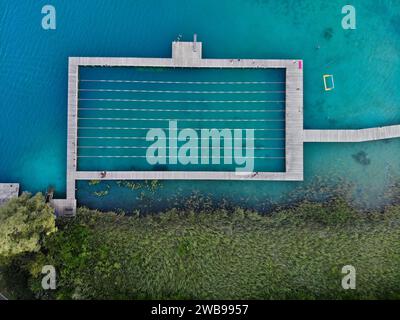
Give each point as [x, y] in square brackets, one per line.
[365, 64]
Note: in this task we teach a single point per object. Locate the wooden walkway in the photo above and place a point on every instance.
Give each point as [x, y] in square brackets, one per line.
[73, 77]
[183, 175]
[361, 135]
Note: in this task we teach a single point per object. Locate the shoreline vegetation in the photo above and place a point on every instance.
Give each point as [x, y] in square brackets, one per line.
[150, 196]
[208, 253]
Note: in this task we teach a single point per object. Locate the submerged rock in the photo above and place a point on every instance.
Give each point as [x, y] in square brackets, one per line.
[362, 158]
[328, 33]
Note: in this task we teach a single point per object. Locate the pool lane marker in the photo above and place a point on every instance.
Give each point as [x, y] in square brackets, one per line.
[179, 91]
[130, 128]
[194, 139]
[178, 110]
[197, 148]
[185, 120]
[202, 157]
[186, 101]
[183, 82]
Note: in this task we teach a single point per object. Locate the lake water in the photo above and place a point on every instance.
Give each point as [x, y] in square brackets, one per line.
[365, 63]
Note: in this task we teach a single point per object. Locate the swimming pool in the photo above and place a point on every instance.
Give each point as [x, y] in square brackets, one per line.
[119, 106]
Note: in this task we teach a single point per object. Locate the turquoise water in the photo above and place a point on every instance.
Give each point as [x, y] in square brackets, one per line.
[365, 64]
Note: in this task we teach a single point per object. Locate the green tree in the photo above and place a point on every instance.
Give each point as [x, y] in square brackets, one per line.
[24, 222]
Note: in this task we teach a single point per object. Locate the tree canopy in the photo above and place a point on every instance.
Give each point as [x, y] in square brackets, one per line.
[24, 221]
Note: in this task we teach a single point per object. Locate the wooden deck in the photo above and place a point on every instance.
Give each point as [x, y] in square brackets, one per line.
[183, 175]
[189, 55]
[73, 74]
